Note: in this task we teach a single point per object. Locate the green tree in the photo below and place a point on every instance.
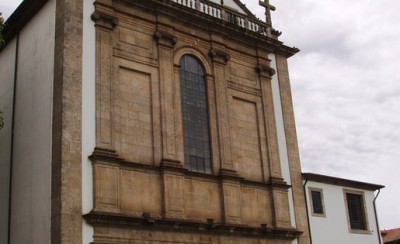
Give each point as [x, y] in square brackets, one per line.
[1, 120]
[1, 44]
[1, 30]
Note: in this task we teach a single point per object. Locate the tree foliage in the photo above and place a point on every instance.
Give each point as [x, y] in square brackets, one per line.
[1, 44]
[1, 30]
[1, 120]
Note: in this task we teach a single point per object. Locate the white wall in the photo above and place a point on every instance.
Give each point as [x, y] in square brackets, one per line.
[88, 115]
[334, 227]
[7, 60]
[280, 128]
[31, 194]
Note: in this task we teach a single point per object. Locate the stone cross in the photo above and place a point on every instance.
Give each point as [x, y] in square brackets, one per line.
[268, 8]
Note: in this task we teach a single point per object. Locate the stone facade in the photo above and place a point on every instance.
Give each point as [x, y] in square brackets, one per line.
[122, 99]
[142, 191]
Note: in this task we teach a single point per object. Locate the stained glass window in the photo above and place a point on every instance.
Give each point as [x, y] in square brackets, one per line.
[194, 115]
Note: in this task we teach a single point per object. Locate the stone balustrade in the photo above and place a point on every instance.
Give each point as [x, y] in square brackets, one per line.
[220, 12]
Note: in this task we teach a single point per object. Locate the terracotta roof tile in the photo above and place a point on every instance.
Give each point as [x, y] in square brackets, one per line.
[390, 235]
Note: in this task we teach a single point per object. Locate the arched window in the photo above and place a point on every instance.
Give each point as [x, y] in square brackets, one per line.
[194, 115]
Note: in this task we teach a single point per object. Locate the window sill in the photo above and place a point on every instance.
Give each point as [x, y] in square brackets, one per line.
[362, 232]
[318, 215]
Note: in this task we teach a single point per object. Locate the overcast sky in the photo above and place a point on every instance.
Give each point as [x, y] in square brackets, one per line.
[346, 89]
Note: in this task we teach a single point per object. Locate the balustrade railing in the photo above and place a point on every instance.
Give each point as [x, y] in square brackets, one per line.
[220, 12]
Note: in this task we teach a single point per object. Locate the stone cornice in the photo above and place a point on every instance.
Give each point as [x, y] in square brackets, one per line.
[110, 157]
[278, 183]
[146, 221]
[200, 20]
[172, 165]
[105, 154]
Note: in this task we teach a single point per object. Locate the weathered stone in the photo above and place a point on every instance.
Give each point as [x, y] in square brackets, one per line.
[139, 115]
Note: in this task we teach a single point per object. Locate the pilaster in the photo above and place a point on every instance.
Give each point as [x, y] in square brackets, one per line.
[293, 150]
[231, 193]
[265, 73]
[220, 60]
[105, 23]
[279, 192]
[66, 188]
[172, 171]
[165, 44]
[173, 178]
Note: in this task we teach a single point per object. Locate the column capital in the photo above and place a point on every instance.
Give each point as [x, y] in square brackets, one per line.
[219, 56]
[264, 70]
[104, 20]
[165, 38]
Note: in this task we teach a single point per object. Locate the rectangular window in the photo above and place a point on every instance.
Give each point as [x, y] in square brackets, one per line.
[317, 202]
[356, 211]
[356, 214]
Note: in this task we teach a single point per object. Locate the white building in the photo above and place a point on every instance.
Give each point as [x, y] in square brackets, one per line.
[341, 210]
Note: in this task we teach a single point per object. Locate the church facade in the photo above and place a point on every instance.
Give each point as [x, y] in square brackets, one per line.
[167, 121]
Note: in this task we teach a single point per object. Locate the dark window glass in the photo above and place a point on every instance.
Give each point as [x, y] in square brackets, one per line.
[355, 207]
[232, 18]
[194, 116]
[317, 202]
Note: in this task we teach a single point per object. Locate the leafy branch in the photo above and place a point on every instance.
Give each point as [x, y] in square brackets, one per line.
[1, 120]
[1, 30]
[1, 44]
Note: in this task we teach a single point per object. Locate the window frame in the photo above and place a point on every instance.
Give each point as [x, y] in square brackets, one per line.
[311, 200]
[366, 230]
[207, 169]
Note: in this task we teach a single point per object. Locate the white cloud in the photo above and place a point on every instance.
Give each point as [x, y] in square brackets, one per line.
[346, 89]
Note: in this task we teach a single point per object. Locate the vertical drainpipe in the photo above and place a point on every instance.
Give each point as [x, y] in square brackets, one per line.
[376, 218]
[308, 217]
[12, 140]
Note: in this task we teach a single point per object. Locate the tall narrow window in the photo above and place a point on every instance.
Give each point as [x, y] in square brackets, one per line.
[355, 207]
[317, 202]
[194, 115]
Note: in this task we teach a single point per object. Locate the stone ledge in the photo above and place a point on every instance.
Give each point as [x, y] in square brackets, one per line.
[109, 156]
[176, 225]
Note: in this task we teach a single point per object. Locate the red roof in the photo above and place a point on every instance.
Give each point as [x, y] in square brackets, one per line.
[390, 235]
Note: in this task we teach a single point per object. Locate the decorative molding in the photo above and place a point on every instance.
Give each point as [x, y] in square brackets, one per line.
[165, 38]
[245, 89]
[105, 154]
[219, 56]
[109, 156]
[171, 164]
[264, 70]
[276, 32]
[278, 183]
[104, 20]
[96, 218]
[227, 174]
